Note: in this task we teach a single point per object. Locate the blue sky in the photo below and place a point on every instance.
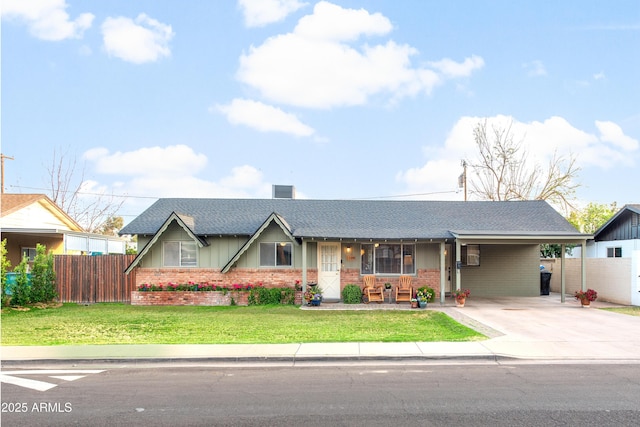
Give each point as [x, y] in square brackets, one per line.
[343, 99]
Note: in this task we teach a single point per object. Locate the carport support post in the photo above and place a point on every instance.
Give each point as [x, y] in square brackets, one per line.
[443, 275]
[458, 264]
[562, 273]
[304, 266]
[583, 253]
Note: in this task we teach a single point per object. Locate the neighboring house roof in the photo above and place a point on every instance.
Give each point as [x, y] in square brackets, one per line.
[614, 220]
[14, 203]
[360, 219]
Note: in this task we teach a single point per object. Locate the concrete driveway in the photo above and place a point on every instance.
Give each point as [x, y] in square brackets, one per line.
[543, 327]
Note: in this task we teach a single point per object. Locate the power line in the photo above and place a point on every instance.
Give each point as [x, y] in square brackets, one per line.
[125, 196]
[156, 197]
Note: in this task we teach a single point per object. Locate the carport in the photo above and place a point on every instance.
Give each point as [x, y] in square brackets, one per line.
[474, 238]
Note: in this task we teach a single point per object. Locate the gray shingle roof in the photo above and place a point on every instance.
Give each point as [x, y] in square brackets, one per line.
[356, 219]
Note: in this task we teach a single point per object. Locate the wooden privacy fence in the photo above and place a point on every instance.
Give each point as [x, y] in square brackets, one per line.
[88, 279]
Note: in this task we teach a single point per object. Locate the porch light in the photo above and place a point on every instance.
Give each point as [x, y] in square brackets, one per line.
[349, 249]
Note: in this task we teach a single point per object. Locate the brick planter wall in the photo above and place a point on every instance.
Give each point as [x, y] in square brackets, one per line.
[194, 298]
[270, 278]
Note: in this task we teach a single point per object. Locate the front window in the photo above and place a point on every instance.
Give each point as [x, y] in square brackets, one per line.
[180, 254]
[387, 259]
[614, 252]
[470, 255]
[275, 254]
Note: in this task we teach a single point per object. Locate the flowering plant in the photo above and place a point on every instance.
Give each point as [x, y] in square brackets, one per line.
[461, 293]
[423, 295]
[313, 292]
[589, 295]
[196, 287]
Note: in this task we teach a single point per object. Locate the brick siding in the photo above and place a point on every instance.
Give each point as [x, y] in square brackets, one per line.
[194, 298]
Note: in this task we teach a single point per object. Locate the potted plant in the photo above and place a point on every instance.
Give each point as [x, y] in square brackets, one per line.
[423, 296]
[414, 303]
[461, 296]
[387, 286]
[586, 297]
[313, 295]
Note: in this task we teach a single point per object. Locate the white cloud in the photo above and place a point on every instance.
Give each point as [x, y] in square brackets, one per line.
[258, 13]
[315, 66]
[345, 24]
[453, 69]
[156, 161]
[599, 76]
[47, 19]
[139, 41]
[611, 132]
[440, 172]
[172, 172]
[535, 68]
[264, 118]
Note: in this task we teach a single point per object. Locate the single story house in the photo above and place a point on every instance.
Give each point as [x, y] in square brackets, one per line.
[613, 258]
[29, 219]
[491, 248]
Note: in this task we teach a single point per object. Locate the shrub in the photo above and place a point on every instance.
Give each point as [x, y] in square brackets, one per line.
[43, 277]
[266, 296]
[351, 294]
[5, 265]
[21, 291]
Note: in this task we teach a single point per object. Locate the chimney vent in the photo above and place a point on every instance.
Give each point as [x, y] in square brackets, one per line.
[284, 192]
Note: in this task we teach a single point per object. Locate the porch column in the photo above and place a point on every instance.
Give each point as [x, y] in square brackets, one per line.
[304, 265]
[458, 264]
[583, 252]
[562, 273]
[443, 273]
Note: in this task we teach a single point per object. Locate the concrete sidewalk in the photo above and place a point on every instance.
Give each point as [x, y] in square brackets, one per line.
[520, 328]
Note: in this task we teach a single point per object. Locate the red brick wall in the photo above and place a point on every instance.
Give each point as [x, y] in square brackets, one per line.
[194, 298]
[270, 278]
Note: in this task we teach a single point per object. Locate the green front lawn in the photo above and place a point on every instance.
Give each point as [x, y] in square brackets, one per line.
[632, 311]
[125, 324]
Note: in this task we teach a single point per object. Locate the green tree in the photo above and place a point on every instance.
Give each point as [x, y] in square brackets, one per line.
[43, 277]
[5, 266]
[592, 217]
[21, 290]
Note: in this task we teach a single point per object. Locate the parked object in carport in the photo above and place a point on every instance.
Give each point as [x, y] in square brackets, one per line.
[545, 282]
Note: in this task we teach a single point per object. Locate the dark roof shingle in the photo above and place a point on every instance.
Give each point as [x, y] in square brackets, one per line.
[356, 219]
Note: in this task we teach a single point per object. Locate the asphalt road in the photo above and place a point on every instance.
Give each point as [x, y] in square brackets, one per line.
[491, 394]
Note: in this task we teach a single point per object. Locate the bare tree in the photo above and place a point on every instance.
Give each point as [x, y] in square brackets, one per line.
[504, 172]
[90, 210]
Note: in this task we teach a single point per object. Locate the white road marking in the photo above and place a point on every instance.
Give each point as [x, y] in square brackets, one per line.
[9, 377]
[27, 383]
[67, 377]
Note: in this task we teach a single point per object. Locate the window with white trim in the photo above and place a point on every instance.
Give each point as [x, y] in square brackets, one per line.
[614, 252]
[180, 254]
[470, 255]
[387, 258]
[276, 254]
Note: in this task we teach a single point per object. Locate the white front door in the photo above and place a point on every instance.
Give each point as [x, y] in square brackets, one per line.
[329, 269]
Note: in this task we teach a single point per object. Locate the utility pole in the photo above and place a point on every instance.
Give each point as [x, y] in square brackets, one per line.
[2, 157]
[462, 179]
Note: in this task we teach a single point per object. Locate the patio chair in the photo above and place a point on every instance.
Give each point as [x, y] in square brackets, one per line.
[404, 291]
[371, 292]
